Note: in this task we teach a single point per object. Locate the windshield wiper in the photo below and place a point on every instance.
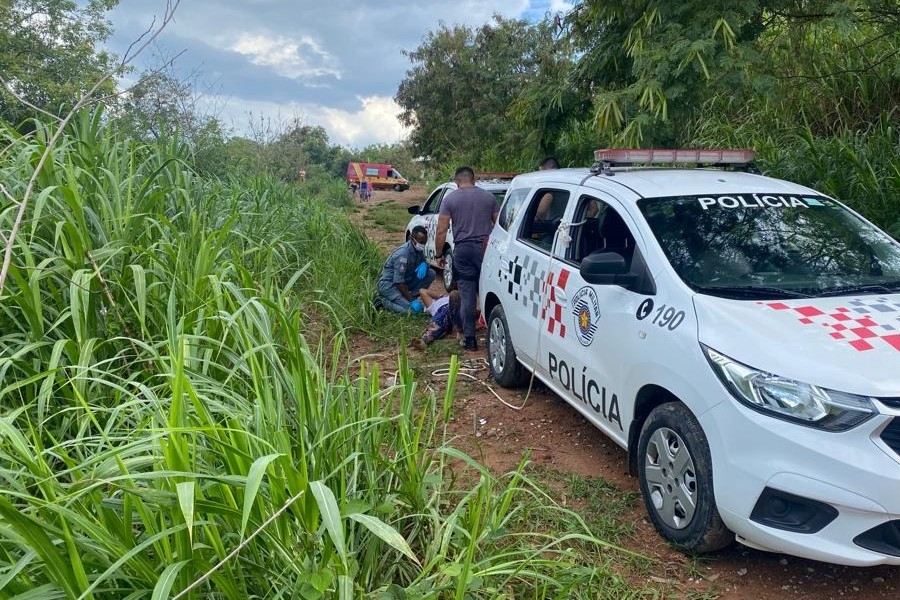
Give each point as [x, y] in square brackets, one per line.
[870, 288]
[752, 291]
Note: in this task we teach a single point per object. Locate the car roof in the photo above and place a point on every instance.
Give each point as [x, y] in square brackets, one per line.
[639, 182]
[490, 185]
[494, 186]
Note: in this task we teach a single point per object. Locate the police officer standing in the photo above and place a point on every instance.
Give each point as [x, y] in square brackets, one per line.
[404, 274]
[473, 212]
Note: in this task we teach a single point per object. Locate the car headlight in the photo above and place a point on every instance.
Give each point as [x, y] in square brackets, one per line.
[791, 400]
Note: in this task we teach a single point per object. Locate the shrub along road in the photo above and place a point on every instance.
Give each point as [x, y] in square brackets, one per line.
[587, 472]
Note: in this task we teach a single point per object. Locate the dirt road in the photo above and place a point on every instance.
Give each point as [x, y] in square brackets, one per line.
[565, 444]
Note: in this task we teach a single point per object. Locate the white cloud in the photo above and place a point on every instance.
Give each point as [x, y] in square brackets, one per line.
[297, 59]
[560, 6]
[374, 121]
[335, 63]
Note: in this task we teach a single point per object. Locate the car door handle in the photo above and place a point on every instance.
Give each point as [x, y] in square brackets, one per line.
[559, 295]
[553, 294]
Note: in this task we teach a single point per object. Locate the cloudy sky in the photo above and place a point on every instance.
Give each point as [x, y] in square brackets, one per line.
[335, 63]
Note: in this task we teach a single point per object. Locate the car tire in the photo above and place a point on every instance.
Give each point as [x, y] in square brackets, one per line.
[505, 367]
[447, 275]
[676, 479]
[398, 187]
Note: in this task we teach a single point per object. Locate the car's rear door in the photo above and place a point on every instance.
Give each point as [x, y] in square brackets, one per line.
[532, 276]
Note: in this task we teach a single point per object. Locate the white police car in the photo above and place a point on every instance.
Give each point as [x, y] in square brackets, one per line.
[738, 335]
[427, 216]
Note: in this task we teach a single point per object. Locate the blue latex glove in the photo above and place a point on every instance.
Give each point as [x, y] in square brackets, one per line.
[416, 305]
[422, 270]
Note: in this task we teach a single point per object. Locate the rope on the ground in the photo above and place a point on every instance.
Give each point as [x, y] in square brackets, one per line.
[468, 368]
[367, 356]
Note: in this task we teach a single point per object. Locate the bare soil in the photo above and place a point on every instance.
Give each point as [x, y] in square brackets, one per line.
[561, 441]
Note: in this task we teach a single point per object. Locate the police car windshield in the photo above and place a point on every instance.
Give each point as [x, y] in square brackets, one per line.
[733, 245]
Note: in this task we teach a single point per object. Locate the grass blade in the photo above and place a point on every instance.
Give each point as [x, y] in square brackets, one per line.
[331, 516]
[167, 580]
[185, 491]
[254, 479]
[387, 533]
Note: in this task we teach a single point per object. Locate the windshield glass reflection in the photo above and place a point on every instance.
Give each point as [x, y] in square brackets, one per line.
[757, 246]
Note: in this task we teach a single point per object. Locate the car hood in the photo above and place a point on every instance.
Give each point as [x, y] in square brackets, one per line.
[846, 343]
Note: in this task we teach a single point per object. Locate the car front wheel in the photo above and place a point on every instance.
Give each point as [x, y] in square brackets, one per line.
[505, 368]
[675, 473]
[449, 280]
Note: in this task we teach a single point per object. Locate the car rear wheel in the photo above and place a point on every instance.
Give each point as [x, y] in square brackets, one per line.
[449, 280]
[675, 473]
[505, 368]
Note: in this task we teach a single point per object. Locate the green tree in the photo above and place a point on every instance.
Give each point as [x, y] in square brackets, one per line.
[241, 154]
[543, 107]
[457, 94]
[160, 106]
[645, 67]
[305, 147]
[283, 149]
[49, 54]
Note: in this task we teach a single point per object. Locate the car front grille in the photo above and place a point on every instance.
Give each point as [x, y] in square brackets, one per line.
[891, 435]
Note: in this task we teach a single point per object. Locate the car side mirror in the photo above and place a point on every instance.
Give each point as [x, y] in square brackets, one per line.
[604, 268]
[414, 209]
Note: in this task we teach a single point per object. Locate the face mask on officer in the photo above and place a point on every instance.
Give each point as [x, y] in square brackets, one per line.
[419, 246]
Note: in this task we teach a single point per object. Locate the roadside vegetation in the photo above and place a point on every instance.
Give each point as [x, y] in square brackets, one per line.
[183, 413]
[181, 407]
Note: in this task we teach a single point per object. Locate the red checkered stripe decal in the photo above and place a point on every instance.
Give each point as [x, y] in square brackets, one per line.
[553, 310]
[852, 324]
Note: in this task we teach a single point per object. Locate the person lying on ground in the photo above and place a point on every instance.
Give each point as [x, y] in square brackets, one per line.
[444, 311]
[405, 273]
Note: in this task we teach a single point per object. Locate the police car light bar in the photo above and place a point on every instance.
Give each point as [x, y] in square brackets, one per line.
[648, 156]
[494, 175]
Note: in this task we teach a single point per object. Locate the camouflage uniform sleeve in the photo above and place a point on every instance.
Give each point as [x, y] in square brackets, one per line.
[401, 265]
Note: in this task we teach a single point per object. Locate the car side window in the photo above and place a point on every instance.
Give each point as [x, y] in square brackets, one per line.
[433, 204]
[599, 228]
[545, 210]
[509, 210]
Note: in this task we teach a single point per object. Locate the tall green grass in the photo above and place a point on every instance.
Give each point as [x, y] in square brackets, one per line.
[856, 165]
[166, 431]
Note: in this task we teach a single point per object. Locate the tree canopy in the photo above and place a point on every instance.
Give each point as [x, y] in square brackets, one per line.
[812, 86]
[647, 66]
[50, 54]
[458, 92]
